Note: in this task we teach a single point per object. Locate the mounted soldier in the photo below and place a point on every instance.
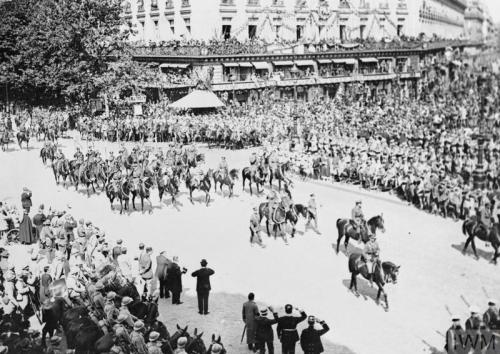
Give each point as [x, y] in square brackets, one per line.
[357, 217]
[483, 217]
[371, 253]
[253, 163]
[223, 167]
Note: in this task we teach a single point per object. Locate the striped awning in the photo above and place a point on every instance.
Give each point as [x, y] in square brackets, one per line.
[231, 65]
[324, 61]
[174, 65]
[339, 61]
[368, 60]
[246, 65]
[260, 65]
[350, 61]
[283, 63]
[304, 62]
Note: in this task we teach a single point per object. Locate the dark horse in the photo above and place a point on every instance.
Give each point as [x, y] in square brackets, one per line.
[345, 228]
[492, 236]
[227, 179]
[205, 185]
[383, 273]
[279, 174]
[279, 218]
[61, 168]
[168, 184]
[293, 214]
[120, 190]
[142, 188]
[257, 177]
[23, 136]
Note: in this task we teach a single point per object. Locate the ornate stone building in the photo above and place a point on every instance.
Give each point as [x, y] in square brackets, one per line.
[161, 20]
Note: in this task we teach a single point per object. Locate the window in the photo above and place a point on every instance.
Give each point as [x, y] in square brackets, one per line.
[127, 7]
[226, 31]
[342, 32]
[227, 2]
[154, 5]
[362, 29]
[187, 21]
[169, 4]
[172, 25]
[185, 3]
[252, 31]
[157, 32]
[300, 31]
[140, 6]
[400, 30]
[277, 29]
[253, 3]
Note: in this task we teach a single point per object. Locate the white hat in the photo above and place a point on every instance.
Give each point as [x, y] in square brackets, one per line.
[474, 309]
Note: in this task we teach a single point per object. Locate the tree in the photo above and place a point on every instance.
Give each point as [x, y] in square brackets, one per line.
[59, 50]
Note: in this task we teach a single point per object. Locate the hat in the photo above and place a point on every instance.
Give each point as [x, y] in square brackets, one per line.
[121, 318]
[111, 295]
[216, 348]
[153, 336]
[358, 201]
[138, 325]
[126, 300]
[34, 256]
[311, 319]
[141, 245]
[203, 262]
[181, 342]
[263, 312]
[99, 286]
[492, 302]
[119, 241]
[455, 318]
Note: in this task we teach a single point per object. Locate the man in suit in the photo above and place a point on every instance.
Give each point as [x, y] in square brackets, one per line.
[264, 331]
[287, 329]
[250, 312]
[203, 286]
[162, 266]
[38, 221]
[146, 270]
[175, 280]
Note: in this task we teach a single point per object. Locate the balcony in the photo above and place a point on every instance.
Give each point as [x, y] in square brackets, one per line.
[227, 2]
[169, 5]
[278, 3]
[154, 5]
[185, 3]
[253, 3]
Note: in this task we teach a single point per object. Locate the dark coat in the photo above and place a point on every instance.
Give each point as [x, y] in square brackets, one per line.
[264, 329]
[250, 312]
[26, 200]
[162, 266]
[38, 220]
[287, 325]
[26, 231]
[174, 278]
[310, 339]
[203, 279]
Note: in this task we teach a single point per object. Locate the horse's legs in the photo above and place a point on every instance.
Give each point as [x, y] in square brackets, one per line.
[207, 197]
[133, 201]
[473, 244]
[191, 195]
[495, 255]
[354, 283]
[339, 238]
[267, 227]
[467, 242]
[346, 241]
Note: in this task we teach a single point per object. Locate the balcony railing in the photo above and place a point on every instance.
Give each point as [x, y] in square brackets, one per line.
[140, 6]
[185, 3]
[227, 2]
[253, 3]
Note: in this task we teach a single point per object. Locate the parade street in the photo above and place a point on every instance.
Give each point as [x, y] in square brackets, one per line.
[434, 280]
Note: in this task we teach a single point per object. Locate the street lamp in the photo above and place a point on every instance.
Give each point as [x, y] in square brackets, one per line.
[479, 176]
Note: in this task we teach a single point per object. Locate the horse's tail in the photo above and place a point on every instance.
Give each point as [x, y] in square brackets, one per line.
[340, 226]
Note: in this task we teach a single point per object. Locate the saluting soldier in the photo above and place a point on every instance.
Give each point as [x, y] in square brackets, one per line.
[310, 339]
[491, 317]
[357, 216]
[287, 329]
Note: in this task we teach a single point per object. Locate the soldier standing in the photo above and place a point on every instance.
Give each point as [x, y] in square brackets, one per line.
[310, 339]
[287, 329]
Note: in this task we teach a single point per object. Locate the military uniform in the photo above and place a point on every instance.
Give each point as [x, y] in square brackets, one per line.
[287, 332]
[491, 318]
[310, 339]
[357, 217]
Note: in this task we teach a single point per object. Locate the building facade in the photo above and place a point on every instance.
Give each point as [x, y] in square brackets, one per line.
[313, 20]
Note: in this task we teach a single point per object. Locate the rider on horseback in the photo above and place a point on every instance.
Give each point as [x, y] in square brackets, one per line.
[483, 217]
[223, 168]
[78, 155]
[357, 217]
[274, 203]
[371, 254]
[253, 163]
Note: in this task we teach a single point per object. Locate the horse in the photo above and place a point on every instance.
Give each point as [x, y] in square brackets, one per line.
[217, 340]
[346, 229]
[168, 184]
[47, 153]
[195, 344]
[204, 186]
[278, 219]
[23, 136]
[278, 173]
[61, 168]
[142, 188]
[120, 190]
[292, 215]
[257, 177]
[181, 332]
[385, 272]
[86, 174]
[227, 179]
[491, 236]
